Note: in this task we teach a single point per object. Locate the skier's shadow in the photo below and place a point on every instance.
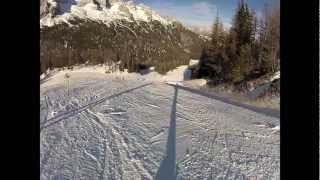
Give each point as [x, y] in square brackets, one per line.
[167, 170]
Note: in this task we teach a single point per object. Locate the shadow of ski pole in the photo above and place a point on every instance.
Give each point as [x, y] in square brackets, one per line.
[167, 170]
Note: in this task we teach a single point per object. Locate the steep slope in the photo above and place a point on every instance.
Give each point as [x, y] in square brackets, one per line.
[74, 32]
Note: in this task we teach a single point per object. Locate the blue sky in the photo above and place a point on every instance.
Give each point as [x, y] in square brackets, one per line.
[201, 13]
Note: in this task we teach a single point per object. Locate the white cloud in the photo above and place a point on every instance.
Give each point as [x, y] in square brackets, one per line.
[200, 14]
[203, 8]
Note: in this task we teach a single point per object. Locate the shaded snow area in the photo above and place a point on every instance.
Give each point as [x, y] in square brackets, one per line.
[121, 126]
[150, 75]
[84, 9]
[266, 87]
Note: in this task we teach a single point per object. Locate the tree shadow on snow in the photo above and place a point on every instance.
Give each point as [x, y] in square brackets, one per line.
[266, 111]
[167, 170]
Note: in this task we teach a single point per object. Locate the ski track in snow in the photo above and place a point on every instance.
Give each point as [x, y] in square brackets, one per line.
[125, 136]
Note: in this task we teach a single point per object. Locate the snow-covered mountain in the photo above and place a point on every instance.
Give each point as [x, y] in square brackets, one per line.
[102, 31]
[200, 30]
[57, 11]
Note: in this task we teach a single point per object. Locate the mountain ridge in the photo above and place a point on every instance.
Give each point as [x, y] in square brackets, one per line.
[57, 11]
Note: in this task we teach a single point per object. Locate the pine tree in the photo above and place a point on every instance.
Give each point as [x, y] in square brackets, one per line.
[254, 20]
[217, 34]
[245, 58]
[241, 41]
[211, 61]
[243, 25]
[269, 38]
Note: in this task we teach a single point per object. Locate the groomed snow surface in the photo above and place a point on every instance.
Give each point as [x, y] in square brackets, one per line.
[131, 126]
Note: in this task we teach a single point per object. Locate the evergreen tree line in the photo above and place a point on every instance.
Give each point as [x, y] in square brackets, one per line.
[250, 49]
[135, 46]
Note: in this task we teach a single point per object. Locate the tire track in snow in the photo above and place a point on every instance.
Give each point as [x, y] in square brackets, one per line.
[120, 151]
[70, 113]
[90, 115]
[135, 145]
[110, 148]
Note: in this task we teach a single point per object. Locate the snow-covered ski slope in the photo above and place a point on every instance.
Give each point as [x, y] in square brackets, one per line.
[125, 127]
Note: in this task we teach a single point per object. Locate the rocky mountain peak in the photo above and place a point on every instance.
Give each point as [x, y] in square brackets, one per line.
[59, 7]
[60, 11]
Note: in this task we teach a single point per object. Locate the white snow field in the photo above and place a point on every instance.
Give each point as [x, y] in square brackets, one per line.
[129, 127]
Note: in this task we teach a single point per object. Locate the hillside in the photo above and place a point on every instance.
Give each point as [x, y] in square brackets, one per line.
[133, 35]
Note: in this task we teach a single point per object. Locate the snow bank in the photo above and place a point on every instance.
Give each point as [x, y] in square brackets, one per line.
[275, 76]
[175, 76]
[276, 129]
[195, 83]
[193, 62]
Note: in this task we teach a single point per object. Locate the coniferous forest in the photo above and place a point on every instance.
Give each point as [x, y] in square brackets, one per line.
[250, 49]
[136, 45]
